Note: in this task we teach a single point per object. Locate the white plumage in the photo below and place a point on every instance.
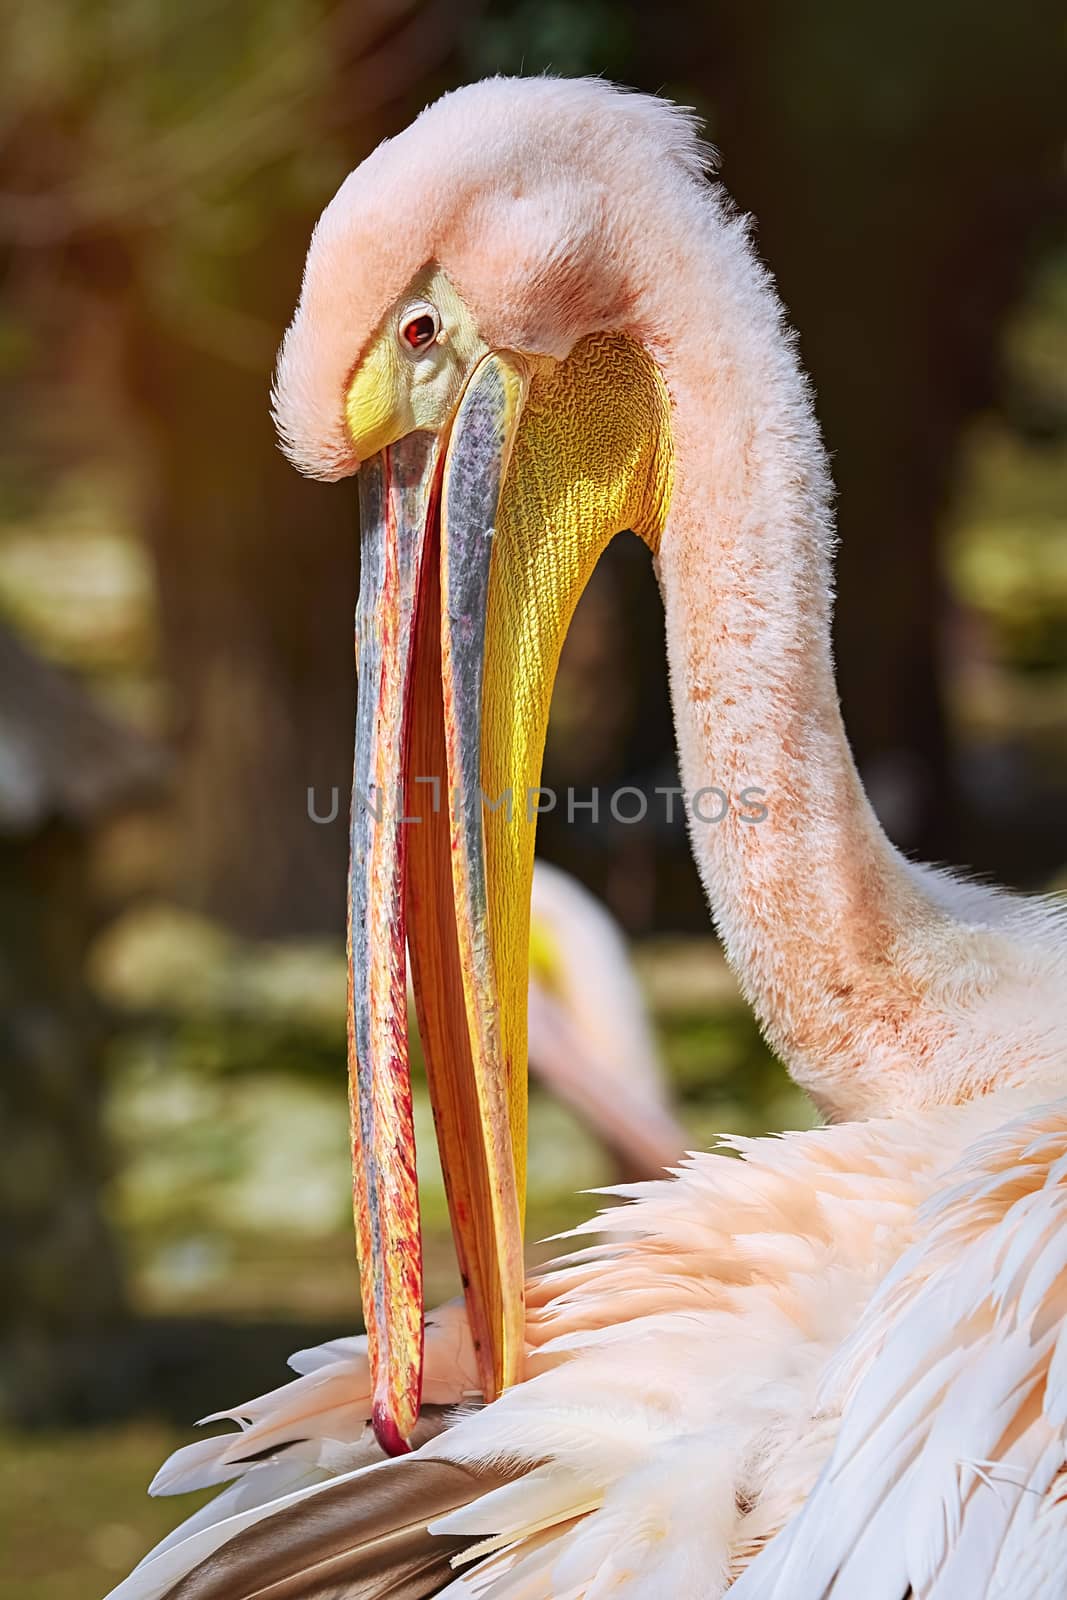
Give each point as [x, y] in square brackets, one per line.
[870, 1315]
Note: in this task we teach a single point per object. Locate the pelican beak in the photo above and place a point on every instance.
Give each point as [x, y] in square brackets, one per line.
[477, 543]
[419, 875]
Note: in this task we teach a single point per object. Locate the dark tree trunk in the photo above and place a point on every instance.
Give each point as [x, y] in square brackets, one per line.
[63, 766]
[257, 579]
[61, 1298]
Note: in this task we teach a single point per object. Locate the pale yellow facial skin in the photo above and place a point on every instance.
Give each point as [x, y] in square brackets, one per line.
[396, 390]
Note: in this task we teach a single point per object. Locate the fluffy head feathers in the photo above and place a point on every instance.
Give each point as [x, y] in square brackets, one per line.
[521, 189]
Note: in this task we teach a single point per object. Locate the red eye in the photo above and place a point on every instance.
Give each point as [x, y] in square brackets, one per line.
[420, 327]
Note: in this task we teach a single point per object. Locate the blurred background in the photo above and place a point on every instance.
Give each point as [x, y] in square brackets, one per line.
[176, 644]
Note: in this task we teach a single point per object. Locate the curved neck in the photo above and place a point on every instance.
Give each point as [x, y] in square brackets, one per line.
[815, 907]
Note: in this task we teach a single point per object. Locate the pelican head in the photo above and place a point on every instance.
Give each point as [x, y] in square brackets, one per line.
[472, 337]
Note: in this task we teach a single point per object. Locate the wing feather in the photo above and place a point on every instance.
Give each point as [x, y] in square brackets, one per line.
[361, 1535]
[953, 1391]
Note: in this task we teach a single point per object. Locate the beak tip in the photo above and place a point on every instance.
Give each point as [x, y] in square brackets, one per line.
[386, 1431]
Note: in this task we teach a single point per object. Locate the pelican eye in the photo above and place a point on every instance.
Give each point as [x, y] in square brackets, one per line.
[420, 326]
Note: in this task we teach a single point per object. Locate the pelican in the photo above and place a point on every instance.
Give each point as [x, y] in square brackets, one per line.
[834, 1367]
[589, 1038]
